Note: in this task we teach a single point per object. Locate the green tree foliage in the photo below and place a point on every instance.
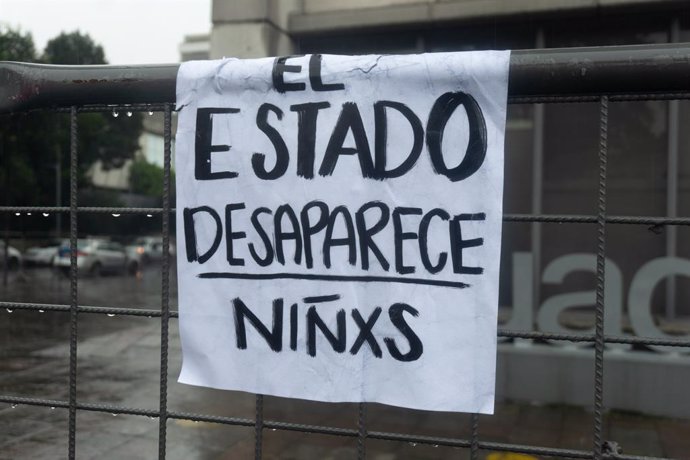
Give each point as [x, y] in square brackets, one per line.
[147, 178]
[102, 137]
[73, 49]
[31, 143]
[18, 178]
[16, 46]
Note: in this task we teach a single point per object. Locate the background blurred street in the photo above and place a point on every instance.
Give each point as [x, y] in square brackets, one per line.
[118, 361]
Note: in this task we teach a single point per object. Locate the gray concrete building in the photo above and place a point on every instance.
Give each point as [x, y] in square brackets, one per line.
[255, 28]
[195, 47]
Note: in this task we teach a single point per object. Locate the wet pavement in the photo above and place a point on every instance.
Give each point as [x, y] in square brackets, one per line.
[119, 363]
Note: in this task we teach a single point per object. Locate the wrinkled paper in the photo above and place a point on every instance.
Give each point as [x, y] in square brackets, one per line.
[339, 226]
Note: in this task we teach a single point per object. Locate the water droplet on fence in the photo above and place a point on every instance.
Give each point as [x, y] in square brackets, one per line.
[152, 418]
[150, 112]
[273, 429]
[46, 214]
[17, 213]
[116, 113]
[41, 311]
[149, 215]
[14, 406]
[116, 215]
[114, 414]
[435, 445]
[52, 407]
[129, 114]
[9, 311]
[28, 213]
[111, 314]
[413, 444]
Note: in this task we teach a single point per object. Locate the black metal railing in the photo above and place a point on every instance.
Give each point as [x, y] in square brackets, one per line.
[606, 75]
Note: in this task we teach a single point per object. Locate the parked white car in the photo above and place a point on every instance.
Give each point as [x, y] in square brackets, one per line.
[41, 255]
[149, 248]
[95, 257]
[14, 257]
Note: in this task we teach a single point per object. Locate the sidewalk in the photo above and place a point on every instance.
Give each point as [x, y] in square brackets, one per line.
[123, 368]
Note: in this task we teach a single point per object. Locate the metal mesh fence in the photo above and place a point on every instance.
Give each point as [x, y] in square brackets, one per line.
[359, 430]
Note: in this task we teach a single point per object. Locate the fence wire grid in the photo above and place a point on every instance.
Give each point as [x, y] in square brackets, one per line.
[601, 448]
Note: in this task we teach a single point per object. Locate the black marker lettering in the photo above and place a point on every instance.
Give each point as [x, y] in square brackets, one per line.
[440, 113]
[321, 298]
[282, 155]
[230, 236]
[423, 241]
[274, 339]
[365, 333]
[306, 136]
[315, 76]
[349, 240]
[309, 229]
[314, 320]
[366, 242]
[190, 234]
[265, 261]
[416, 347]
[457, 244]
[293, 327]
[279, 68]
[349, 120]
[381, 138]
[203, 147]
[400, 236]
[281, 236]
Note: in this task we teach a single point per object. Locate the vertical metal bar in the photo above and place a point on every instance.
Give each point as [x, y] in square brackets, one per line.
[537, 190]
[672, 203]
[420, 44]
[8, 178]
[362, 432]
[58, 191]
[601, 273]
[165, 300]
[672, 185]
[73, 316]
[474, 440]
[6, 249]
[259, 427]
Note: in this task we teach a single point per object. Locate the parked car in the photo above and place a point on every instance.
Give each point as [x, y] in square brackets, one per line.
[96, 256]
[41, 255]
[14, 257]
[149, 248]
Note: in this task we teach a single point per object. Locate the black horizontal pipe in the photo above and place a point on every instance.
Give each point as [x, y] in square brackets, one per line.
[606, 70]
[592, 71]
[39, 86]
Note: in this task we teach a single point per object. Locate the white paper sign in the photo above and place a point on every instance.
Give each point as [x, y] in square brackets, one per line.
[339, 226]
